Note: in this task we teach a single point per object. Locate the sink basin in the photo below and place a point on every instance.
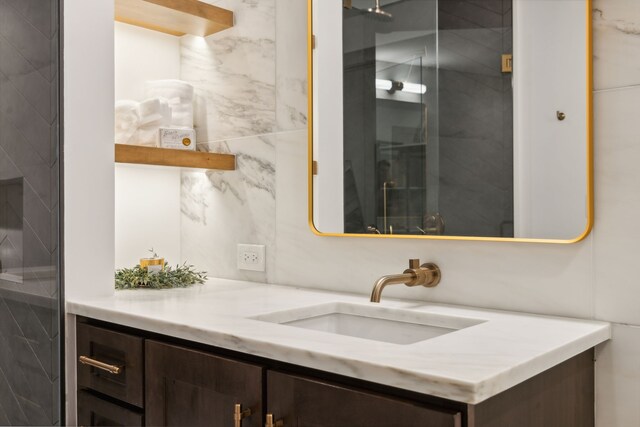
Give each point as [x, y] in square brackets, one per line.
[396, 326]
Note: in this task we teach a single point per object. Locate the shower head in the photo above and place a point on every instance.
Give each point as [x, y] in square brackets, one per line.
[378, 13]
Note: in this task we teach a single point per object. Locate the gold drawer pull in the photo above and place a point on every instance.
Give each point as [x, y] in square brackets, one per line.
[239, 415]
[112, 369]
[271, 423]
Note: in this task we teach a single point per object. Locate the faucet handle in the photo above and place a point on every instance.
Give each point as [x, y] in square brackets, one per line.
[427, 275]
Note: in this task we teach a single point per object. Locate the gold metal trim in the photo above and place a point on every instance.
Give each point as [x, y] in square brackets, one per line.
[507, 63]
[156, 264]
[590, 178]
[112, 369]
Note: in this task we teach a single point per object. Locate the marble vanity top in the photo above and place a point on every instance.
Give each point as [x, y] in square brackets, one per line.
[468, 365]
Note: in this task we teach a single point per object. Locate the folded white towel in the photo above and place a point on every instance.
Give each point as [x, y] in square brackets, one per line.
[180, 97]
[147, 136]
[155, 111]
[154, 114]
[127, 120]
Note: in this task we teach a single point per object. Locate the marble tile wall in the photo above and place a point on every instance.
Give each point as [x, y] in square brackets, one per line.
[291, 65]
[616, 232]
[596, 278]
[234, 73]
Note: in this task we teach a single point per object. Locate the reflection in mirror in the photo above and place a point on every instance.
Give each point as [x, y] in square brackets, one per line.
[451, 118]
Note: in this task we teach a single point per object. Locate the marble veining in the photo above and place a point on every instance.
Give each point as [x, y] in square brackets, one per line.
[621, 25]
[616, 26]
[468, 365]
[233, 73]
[242, 200]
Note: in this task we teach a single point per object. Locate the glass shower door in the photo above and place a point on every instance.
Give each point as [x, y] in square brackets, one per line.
[30, 284]
[390, 116]
[401, 147]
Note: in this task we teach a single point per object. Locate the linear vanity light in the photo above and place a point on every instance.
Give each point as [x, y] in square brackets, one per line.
[393, 86]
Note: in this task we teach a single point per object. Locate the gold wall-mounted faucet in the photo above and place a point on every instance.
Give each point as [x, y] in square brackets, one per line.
[427, 275]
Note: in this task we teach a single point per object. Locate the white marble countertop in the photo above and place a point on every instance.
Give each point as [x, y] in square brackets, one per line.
[468, 365]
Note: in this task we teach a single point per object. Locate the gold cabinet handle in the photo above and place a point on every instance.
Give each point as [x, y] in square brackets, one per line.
[112, 369]
[239, 415]
[271, 423]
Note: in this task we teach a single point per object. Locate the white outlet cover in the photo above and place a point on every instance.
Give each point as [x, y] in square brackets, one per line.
[251, 257]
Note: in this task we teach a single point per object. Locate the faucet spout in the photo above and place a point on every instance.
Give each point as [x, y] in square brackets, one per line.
[427, 275]
[392, 279]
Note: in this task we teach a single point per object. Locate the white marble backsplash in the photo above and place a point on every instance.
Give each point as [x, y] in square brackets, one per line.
[223, 209]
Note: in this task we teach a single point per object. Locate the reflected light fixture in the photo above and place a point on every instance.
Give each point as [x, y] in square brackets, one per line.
[394, 86]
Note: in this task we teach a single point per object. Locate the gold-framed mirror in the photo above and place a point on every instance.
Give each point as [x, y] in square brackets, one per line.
[451, 119]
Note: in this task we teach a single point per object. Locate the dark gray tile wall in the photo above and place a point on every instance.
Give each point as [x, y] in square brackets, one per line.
[476, 118]
[29, 210]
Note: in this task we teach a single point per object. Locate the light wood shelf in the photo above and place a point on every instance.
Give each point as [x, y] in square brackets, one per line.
[175, 17]
[178, 158]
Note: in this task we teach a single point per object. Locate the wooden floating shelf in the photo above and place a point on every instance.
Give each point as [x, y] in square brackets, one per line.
[178, 158]
[175, 17]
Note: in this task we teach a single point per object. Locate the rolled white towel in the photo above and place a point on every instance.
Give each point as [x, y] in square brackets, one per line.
[180, 97]
[169, 89]
[127, 120]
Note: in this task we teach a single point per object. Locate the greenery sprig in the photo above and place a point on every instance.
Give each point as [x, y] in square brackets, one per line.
[182, 276]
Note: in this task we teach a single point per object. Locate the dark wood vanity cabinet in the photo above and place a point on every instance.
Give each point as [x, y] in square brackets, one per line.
[164, 381]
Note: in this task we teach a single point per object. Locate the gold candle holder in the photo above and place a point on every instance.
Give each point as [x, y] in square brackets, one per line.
[152, 265]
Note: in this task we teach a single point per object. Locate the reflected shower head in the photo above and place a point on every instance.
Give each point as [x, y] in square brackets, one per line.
[379, 14]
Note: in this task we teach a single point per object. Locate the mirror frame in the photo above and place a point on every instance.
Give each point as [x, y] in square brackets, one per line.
[589, 147]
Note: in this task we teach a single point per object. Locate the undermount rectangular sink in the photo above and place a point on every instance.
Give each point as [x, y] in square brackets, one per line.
[396, 326]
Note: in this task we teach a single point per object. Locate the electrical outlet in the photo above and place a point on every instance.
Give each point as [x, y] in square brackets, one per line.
[251, 257]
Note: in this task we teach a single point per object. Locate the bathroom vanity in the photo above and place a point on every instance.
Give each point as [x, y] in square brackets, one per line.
[245, 354]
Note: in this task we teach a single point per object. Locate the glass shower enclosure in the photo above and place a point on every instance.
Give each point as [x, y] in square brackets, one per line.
[31, 378]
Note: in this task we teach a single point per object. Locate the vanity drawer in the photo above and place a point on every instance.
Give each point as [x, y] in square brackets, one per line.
[111, 363]
[93, 411]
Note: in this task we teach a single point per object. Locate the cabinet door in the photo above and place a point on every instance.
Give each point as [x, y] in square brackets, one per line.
[301, 402]
[191, 388]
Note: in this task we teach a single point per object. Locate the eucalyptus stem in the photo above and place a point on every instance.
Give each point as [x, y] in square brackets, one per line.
[182, 276]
